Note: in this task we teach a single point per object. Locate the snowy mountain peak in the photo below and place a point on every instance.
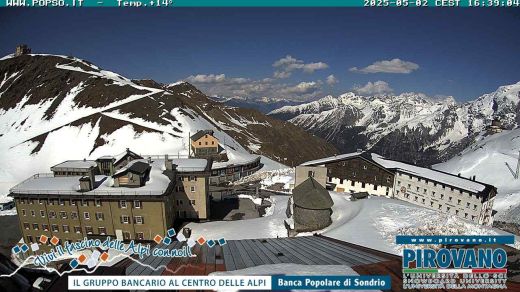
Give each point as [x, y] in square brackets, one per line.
[426, 129]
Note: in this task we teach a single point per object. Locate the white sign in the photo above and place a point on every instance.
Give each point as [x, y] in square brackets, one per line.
[169, 282]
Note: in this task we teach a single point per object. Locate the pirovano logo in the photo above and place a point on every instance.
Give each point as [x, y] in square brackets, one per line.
[460, 262]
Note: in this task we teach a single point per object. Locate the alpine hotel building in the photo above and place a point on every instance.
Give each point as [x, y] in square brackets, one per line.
[126, 197]
[371, 173]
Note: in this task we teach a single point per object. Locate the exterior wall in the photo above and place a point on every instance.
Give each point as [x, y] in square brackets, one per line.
[191, 197]
[443, 198]
[205, 145]
[157, 217]
[319, 173]
[233, 172]
[351, 186]
[306, 220]
[129, 180]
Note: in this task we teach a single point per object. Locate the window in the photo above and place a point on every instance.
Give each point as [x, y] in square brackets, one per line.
[415, 199]
[29, 239]
[417, 188]
[458, 202]
[465, 215]
[431, 204]
[192, 177]
[137, 204]
[63, 215]
[40, 201]
[72, 202]
[60, 201]
[449, 199]
[22, 201]
[139, 235]
[86, 215]
[138, 219]
[77, 229]
[192, 189]
[100, 216]
[440, 206]
[425, 191]
[97, 202]
[433, 194]
[310, 173]
[31, 201]
[126, 235]
[66, 228]
[24, 213]
[363, 185]
[122, 204]
[364, 167]
[88, 229]
[456, 212]
[192, 202]
[54, 228]
[52, 214]
[353, 183]
[45, 227]
[33, 213]
[423, 201]
[42, 213]
[474, 207]
[35, 226]
[102, 230]
[375, 187]
[125, 219]
[26, 225]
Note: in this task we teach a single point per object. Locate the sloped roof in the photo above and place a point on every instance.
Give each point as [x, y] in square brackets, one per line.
[310, 194]
[137, 167]
[201, 133]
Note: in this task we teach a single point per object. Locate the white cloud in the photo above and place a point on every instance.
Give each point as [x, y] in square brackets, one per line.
[302, 87]
[214, 78]
[331, 80]
[392, 66]
[378, 87]
[288, 64]
[245, 88]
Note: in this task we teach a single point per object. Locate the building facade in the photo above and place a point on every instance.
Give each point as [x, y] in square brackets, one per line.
[356, 172]
[142, 199]
[204, 144]
[302, 173]
[451, 194]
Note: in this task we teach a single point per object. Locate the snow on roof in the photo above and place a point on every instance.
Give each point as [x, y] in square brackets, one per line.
[190, 164]
[86, 164]
[331, 159]
[445, 178]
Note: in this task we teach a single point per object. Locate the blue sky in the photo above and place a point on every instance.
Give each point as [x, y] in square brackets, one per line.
[234, 52]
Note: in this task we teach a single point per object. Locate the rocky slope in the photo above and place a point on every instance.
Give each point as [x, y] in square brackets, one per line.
[410, 127]
[54, 108]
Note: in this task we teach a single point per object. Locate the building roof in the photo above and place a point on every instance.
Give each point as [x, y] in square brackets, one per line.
[201, 133]
[191, 164]
[246, 253]
[310, 194]
[331, 159]
[139, 166]
[78, 164]
[431, 174]
[127, 152]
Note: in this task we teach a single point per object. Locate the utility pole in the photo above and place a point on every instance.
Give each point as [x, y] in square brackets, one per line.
[518, 165]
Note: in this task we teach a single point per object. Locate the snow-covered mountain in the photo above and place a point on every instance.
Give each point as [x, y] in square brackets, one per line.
[493, 160]
[54, 108]
[410, 127]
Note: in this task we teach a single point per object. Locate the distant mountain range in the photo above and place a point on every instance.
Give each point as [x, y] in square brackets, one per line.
[264, 105]
[410, 127]
[54, 108]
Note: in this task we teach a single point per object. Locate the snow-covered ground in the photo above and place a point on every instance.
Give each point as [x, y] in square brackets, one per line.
[488, 160]
[269, 226]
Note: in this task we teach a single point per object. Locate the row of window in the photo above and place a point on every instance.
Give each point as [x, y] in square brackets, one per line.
[181, 202]
[64, 228]
[85, 203]
[71, 173]
[86, 215]
[181, 189]
[126, 235]
[442, 197]
[434, 184]
[206, 143]
[440, 206]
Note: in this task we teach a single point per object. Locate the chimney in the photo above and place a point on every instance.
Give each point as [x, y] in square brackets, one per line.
[168, 162]
[127, 150]
[149, 160]
[458, 174]
[85, 184]
[84, 159]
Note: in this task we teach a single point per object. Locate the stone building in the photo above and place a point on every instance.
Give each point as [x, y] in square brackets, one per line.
[22, 50]
[311, 206]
